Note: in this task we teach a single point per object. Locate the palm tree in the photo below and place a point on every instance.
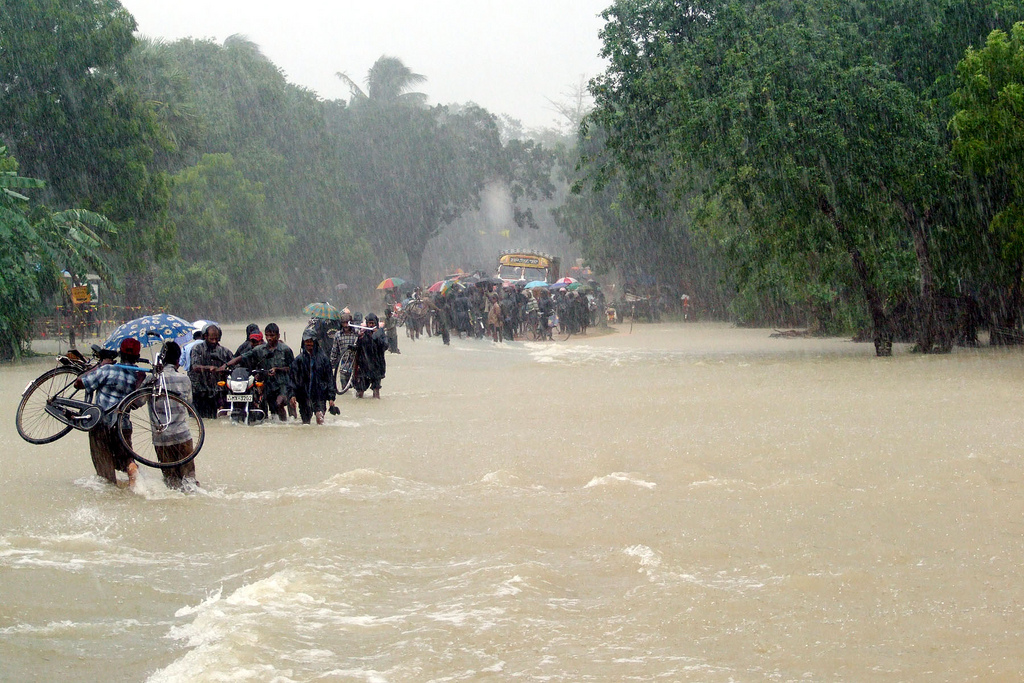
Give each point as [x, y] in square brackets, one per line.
[387, 83]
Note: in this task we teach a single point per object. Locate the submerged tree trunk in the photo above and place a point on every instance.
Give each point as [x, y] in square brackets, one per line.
[927, 324]
[882, 330]
[1003, 330]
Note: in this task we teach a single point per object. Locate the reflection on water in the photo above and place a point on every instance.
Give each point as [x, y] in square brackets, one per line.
[684, 502]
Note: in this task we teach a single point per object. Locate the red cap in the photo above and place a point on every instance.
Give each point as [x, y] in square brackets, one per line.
[256, 337]
[131, 347]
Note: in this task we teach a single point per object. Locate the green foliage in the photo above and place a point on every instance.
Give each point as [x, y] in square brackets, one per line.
[230, 99]
[414, 170]
[814, 126]
[222, 229]
[989, 129]
[36, 247]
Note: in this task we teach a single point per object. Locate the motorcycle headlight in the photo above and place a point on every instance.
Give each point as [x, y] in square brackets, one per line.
[238, 386]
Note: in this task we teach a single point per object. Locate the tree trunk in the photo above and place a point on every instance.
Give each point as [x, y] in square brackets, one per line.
[882, 330]
[415, 256]
[1004, 331]
[927, 327]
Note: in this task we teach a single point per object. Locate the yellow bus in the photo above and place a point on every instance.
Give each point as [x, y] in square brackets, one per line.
[515, 264]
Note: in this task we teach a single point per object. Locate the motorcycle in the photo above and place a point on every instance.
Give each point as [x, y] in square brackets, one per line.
[244, 396]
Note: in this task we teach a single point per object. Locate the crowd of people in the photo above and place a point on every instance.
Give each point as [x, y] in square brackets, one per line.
[298, 385]
[499, 311]
[303, 386]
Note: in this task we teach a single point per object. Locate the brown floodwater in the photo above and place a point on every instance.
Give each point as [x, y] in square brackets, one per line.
[680, 502]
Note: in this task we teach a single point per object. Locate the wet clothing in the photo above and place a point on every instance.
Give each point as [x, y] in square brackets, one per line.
[107, 452]
[186, 353]
[176, 422]
[370, 363]
[322, 330]
[175, 442]
[275, 387]
[174, 477]
[391, 328]
[495, 320]
[108, 384]
[243, 349]
[205, 392]
[344, 342]
[311, 382]
[263, 357]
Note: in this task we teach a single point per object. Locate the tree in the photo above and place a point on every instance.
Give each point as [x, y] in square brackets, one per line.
[71, 121]
[989, 139]
[230, 99]
[413, 170]
[387, 83]
[787, 114]
[36, 248]
[227, 246]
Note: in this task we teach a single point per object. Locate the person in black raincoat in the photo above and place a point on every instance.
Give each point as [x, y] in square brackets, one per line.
[370, 365]
[311, 380]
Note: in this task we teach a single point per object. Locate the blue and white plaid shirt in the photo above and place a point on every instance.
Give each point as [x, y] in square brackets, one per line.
[109, 384]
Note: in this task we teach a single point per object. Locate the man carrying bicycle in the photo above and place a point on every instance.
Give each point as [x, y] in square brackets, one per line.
[108, 385]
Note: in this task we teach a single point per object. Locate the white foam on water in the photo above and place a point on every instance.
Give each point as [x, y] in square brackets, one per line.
[53, 628]
[500, 478]
[583, 354]
[647, 557]
[71, 629]
[510, 587]
[619, 478]
[224, 634]
[360, 483]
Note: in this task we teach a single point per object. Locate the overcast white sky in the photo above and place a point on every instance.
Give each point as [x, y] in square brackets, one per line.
[509, 56]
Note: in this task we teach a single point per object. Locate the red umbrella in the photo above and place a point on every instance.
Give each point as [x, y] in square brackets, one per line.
[436, 287]
[564, 281]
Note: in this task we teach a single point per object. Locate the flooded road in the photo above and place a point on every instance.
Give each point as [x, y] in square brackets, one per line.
[684, 503]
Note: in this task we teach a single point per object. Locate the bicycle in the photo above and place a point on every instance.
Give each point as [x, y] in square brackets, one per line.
[51, 406]
[346, 371]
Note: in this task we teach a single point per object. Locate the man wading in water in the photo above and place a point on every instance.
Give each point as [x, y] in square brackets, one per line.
[370, 365]
[311, 380]
[108, 384]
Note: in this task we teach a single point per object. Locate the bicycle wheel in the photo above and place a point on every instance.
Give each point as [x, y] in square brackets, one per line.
[343, 382]
[35, 424]
[160, 429]
[350, 378]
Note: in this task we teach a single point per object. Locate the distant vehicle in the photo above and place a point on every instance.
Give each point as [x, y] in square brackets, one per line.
[516, 264]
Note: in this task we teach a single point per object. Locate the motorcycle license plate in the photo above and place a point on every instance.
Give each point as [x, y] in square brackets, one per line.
[240, 398]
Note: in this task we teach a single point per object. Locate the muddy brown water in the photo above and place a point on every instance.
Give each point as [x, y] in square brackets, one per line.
[683, 502]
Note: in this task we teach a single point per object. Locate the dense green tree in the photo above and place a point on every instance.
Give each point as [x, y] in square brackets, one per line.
[70, 120]
[37, 247]
[231, 99]
[787, 116]
[989, 139]
[225, 242]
